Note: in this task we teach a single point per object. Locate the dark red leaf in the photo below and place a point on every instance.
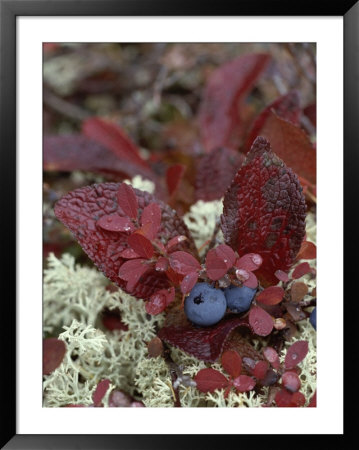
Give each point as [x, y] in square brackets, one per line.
[291, 381]
[283, 399]
[174, 175]
[53, 352]
[298, 399]
[264, 211]
[208, 380]
[287, 107]
[228, 85]
[159, 300]
[188, 282]
[272, 357]
[76, 152]
[151, 215]
[271, 295]
[131, 271]
[308, 250]
[231, 363]
[215, 266]
[260, 321]
[295, 354]
[114, 222]
[311, 112]
[301, 270]
[249, 262]
[101, 389]
[244, 383]
[81, 209]
[112, 137]
[261, 369]
[112, 321]
[292, 145]
[282, 276]
[127, 200]
[203, 343]
[183, 263]
[313, 401]
[172, 244]
[215, 171]
[141, 245]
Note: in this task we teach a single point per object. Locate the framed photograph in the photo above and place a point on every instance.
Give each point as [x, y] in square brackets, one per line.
[174, 179]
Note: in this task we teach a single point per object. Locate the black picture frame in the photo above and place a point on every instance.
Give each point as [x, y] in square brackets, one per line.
[9, 11]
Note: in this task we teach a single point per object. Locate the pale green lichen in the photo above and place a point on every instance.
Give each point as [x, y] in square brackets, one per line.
[141, 183]
[201, 220]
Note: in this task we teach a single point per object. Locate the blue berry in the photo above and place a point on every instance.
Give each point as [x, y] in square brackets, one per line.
[313, 318]
[205, 305]
[239, 299]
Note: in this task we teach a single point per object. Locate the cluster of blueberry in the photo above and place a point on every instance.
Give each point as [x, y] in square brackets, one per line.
[206, 305]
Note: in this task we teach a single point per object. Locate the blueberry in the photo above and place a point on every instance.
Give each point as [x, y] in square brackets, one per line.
[313, 318]
[205, 305]
[239, 298]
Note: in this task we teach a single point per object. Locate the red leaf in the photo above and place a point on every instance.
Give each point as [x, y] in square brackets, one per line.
[249, 262]
[162, 264]
[174, 242]
[292, 145]
[308, 250]
[155, 347]
[81, 209]
[231, 363]
[188, 282]
[264, 211]
[127, 200]
[208, 380]
[313, 401]
[159, 300]
[228, 85]
[283, 398]
[261, 369]
[298, 399]
[100, 392]
[114, 222]
[271, 295]
[53, 352]
[215, 171]
[291, 381]
[301, 270]
[151, 215]
[112, 137]
[260, 321]
[183, 263]
[174, 175]
[203, 343]
[76, 152]
[129, 253]
[141, 245]
[251, 281]
[225, 252]
[297, 291]
[215, 266]
[244, 383]
[287, 107]
[132, 271]
[282, 276]
[311, 112]
[112, 321]
[295, 354]
[272, 357]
